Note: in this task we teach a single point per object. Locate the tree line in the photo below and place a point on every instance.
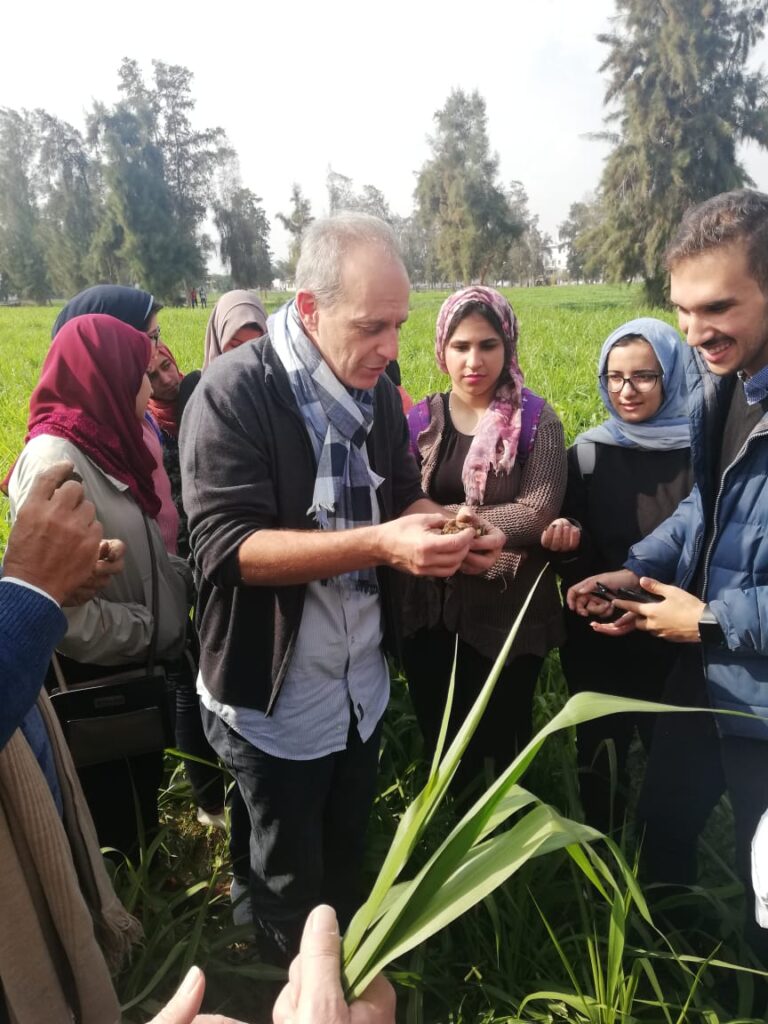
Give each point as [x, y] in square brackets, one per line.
[126, 200]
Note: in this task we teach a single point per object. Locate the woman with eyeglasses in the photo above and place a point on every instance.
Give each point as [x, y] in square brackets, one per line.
[625, 476]
[140, 310]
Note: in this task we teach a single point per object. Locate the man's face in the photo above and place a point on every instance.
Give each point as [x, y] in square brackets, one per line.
[358, 335]
[722, 309]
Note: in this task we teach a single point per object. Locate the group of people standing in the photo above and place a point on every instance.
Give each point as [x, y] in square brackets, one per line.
[325, 531]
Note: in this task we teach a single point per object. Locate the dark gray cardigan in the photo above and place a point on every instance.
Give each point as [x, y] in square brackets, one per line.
[247, 464]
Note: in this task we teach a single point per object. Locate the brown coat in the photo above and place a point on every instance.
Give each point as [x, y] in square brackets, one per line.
[481, 609]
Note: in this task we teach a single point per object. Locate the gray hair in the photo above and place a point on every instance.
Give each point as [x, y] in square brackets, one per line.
[738, 216]
[327, 241]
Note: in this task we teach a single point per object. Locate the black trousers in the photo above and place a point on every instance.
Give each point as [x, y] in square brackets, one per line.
[689, 768]
[636, 665]
[506, 725]
[307, 831]
[207, 781]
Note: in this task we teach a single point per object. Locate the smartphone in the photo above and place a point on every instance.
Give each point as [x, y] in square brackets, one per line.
[625, 594]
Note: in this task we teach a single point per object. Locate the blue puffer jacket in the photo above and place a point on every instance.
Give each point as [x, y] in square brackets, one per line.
[736, 559]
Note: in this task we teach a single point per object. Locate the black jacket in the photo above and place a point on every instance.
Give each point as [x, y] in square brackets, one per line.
[247, 464]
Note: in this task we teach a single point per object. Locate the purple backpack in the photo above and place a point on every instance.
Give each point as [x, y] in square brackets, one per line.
[418, 421]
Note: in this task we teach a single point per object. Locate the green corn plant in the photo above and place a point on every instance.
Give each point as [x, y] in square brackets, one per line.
[475, 857]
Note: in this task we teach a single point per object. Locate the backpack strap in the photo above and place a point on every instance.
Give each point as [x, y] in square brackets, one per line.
[531, 408]
[418, 421]
[586, 455]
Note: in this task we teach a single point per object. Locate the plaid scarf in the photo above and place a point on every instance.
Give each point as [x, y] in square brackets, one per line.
[338, 420]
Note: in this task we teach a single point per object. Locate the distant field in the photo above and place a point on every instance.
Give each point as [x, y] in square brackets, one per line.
[561, 330]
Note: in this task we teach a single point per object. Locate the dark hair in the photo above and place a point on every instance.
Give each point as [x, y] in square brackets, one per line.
[485, 311]
[741, 215]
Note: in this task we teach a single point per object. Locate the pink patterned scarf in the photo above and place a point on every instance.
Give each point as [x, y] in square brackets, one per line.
[495, 444]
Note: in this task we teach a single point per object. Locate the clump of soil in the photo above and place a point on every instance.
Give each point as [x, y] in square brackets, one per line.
[463, 521]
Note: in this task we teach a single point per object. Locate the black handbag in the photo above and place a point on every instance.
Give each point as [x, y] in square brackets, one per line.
[123, 714]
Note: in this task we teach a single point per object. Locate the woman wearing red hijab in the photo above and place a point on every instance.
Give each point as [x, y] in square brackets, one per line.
[88, 408]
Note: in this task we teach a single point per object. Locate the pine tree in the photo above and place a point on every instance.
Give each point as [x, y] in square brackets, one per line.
[295, 223]
[244, 232]
[457, 196]
[677, 70]
[22, 260]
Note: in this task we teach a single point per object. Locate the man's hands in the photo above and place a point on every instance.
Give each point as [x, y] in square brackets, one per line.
[314, 995]
[414, 544]
[54, 543]
[483, 550]
[111, 560]
[676, 618]
[580, 597]
[561, 535]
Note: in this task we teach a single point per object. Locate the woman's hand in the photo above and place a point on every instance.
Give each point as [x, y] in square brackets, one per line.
[561, 535]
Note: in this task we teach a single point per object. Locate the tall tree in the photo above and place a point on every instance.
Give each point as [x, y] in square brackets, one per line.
[244, 232]
[295, 222]
[342, 196]
[22, 260]
[457, 194]
[69, 197]
[158, 172]
[577, 234]
[685, 99]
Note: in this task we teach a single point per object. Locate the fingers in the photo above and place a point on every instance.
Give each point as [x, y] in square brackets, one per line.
[321, 999]
[184, 1005]
[626, 624]
[52, 477]
[376, 1005]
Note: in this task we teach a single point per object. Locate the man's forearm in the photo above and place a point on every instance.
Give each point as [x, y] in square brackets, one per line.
[275, 558]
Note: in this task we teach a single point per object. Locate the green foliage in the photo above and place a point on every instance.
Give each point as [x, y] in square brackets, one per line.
[458, 200]
[677, 71]
[22, 262]
[244, 232]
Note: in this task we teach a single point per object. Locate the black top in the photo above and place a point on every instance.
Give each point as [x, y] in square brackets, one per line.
[628, 494]
[446, 487]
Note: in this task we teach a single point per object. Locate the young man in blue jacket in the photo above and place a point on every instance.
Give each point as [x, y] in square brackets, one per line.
[709, 561]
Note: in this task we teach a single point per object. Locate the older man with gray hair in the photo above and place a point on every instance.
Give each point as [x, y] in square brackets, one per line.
[302, 497]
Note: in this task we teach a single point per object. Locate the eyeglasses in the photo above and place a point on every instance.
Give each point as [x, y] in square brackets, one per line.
[154, 336]
[642, 381]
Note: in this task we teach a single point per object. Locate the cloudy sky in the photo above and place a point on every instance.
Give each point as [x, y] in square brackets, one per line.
[302, 86]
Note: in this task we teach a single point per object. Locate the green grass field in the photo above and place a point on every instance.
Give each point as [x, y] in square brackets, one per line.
[546, 931]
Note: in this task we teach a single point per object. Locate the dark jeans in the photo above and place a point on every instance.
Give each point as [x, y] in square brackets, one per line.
[689, 768]
[207, 781]
[636, 665]
[308, 821]
[505, 727]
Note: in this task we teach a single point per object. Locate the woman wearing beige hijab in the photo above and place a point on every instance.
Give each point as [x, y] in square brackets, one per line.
[237, 317]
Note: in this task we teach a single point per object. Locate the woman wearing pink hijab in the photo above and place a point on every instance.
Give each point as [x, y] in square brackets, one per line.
[491, 444]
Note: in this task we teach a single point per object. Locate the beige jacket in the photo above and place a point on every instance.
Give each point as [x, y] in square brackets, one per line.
[116, 627]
